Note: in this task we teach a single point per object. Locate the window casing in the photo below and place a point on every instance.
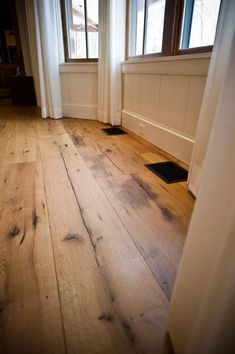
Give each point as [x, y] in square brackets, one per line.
[170, 27]
[80, 29]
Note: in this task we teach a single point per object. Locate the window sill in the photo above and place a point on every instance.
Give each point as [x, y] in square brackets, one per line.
[190, 64]
[74, 67]
[153, 58]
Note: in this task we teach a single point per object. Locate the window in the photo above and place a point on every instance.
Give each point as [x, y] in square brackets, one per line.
[146, 26]
[199, 23]
[171, 27]
[80, 26]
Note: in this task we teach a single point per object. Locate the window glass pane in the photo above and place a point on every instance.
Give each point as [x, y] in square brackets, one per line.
[154, 26]
[199, 24]
[76, 29]
[92, 27]
[136, 28]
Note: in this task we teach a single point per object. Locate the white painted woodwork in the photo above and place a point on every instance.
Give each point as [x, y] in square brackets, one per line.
[162, 100]
[173, 101]
[194, 100]
[79, 90]
[149, 95]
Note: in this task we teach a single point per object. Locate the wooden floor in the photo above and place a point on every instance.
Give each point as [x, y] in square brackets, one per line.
[90, 240]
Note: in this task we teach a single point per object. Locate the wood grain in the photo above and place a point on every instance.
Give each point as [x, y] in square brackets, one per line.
[30, 311]
[90, 240]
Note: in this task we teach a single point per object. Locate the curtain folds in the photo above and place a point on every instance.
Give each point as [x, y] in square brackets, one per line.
[112, 15]
[202, 312]
[45, 37]
[216, 74]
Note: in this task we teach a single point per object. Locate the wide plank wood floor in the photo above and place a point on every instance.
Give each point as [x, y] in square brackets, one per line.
[90, 240]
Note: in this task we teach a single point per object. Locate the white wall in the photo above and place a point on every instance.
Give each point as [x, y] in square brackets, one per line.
[162, 99]
[79, 89]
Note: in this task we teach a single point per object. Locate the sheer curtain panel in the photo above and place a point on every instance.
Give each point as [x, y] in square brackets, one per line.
[202, 312]
[216, 74]
[112, 19]
[45, 38]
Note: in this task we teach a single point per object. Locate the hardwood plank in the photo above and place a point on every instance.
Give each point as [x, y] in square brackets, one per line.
[111, 244]
[127, 161]
[69, 234]
[140, 303]
[28, 282]
[103, 238]
[128, 155]
[112, 310]
[154, 230]
[97, 160]
[21, 145]
[109, 237]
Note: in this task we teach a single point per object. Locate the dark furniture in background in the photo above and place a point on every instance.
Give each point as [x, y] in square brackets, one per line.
[11, 57]
[22, 91]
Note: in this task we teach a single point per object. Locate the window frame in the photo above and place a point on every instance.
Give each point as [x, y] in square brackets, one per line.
[173, 21]
[66, 39]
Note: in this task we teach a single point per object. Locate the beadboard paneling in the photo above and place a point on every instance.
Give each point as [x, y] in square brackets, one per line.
[173, 101]
[149, 95]
[195, 94]
[162, 100]
[131, 92]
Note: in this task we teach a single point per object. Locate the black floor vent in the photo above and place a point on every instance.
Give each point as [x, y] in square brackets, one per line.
[114, 131]
[169, 171]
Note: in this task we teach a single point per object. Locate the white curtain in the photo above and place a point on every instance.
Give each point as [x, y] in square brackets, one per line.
[219, 62]
[202, 311]
[112, 17]
[45, 37]
[24, 36]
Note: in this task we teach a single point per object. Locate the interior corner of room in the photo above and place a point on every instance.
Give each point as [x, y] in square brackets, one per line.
[133, 261]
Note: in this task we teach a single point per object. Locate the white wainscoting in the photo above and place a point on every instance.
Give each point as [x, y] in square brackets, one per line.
[79, 89]
[162, 100]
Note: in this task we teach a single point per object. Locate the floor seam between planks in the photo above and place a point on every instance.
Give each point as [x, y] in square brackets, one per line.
[80, 209]
[52, 245]
[106, 245]
[137, 246]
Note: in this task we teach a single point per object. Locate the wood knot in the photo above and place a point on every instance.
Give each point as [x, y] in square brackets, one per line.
[72, 237]
[166, 213]
[106, 317]
[34, 219]
[128, 331]
[14, 232]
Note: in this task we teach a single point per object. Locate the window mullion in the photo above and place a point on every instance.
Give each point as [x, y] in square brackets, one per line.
[189, 6]
[86, 32]
[170, 27]
[144, 29]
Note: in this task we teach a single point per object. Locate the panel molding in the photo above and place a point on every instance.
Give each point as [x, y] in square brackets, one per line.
[170, 141]
[79, 90]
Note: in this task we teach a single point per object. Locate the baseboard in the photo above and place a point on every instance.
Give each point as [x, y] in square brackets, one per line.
[170, 141]
[77, 111]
